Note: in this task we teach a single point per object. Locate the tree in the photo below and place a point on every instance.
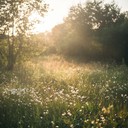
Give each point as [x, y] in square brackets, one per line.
[14, 23]
[81, 22]
[100, 28]
[111, 34]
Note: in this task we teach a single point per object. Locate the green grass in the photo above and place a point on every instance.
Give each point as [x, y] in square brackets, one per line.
[51, 92]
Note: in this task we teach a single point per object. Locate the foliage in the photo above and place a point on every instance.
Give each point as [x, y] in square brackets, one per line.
[15, 26]
[94, 30]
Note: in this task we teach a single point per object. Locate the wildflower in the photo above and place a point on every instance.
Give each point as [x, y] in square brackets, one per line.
[71, 126]
[69, 113]
[63, 114]
[86, 121]
[80, 110]
[52, 122]
[87, 103]
[92, 122]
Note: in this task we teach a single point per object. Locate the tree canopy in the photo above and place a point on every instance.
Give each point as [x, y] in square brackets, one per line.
[14, 26]
[96, 31]
[14, 14]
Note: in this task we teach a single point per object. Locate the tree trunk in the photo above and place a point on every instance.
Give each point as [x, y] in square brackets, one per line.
[11, 58]
[11, 48]
[126, 54]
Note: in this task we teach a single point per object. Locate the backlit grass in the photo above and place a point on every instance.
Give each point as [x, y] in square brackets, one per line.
[51, 92]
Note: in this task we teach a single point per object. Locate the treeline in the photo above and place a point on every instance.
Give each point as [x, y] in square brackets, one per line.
[94, 31]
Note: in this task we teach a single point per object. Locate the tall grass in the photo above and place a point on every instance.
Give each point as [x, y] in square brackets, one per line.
[53, 93]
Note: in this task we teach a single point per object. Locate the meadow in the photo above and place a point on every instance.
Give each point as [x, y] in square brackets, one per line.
[53, 92]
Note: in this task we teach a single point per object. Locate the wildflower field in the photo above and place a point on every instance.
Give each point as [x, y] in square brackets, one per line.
[51, 92]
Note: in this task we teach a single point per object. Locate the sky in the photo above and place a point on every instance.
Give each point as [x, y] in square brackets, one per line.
[58, 9]
[123, 4]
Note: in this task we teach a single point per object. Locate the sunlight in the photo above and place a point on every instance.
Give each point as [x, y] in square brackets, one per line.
[45, 23]
[58, 9]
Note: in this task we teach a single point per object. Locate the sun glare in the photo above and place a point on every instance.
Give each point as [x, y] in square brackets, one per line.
[58, 9]
[45, 23]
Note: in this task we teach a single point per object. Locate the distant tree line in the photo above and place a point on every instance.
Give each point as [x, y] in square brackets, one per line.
[94, 31]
